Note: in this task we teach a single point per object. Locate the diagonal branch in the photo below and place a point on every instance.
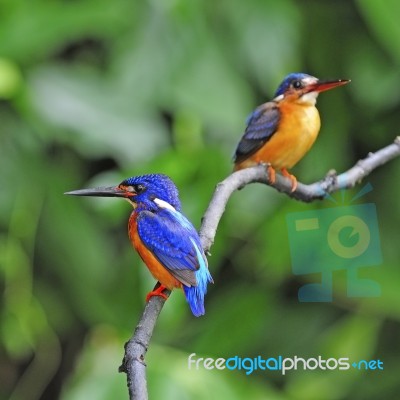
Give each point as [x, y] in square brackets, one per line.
[135, 349]
[307, 193]
[133, 363]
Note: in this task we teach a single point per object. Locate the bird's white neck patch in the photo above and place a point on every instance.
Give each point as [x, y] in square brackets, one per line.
[309, 98]
[164, 204]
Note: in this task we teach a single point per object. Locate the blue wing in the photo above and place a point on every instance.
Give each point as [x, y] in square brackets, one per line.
[261, 125]
[174, 242]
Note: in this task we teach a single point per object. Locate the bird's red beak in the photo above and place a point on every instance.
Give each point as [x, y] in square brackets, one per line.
[113, 191]
[322, 86]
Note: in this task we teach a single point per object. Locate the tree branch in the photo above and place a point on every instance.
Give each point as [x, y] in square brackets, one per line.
[133, 363]
[307, 193]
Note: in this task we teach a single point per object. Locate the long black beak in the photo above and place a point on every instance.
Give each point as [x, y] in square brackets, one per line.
[113, 191]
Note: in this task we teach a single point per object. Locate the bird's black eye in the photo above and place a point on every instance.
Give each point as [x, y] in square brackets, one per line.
[134, 189]
[297, 84]
[139, 188]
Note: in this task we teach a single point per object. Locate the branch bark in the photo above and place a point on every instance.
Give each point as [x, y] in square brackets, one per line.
[306, 193]
[133, 363]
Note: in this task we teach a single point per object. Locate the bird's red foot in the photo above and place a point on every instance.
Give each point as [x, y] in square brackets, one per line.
[158, 291]
[271, 174]
[292, 178]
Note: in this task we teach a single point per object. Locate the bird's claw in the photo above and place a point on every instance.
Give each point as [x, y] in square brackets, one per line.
[292, 178]
[159, 291]
[271, 174]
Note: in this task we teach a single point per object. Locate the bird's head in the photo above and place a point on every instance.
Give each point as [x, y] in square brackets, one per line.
[304, 88]
[147, 191]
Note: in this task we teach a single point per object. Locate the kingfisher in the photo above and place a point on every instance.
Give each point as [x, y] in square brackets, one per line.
[164, 238]
[281, 131]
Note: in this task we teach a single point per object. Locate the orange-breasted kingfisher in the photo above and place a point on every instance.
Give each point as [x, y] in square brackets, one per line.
[164, 238]
[280, 132]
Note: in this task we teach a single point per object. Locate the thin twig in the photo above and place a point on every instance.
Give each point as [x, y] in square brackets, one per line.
[133, 363]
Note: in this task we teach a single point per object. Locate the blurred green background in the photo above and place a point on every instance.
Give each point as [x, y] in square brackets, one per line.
[93, 91]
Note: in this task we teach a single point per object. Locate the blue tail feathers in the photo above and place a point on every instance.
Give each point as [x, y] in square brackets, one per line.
[195, 294]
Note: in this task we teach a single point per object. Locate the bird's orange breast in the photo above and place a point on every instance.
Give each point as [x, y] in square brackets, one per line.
[298, 128]
[155, 267]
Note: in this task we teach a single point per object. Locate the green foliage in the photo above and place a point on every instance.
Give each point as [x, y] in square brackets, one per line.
[93, 91]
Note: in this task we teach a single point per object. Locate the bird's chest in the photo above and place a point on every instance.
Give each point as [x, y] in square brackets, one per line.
[153, 264]
[136, 241]
[300, 122]
[298, 129]
[132, 230]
